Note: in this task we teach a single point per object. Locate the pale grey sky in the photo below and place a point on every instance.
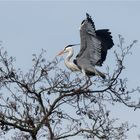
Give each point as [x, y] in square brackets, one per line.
[28, 26]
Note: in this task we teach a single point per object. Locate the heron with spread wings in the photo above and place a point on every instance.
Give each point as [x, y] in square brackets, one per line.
[93, 49]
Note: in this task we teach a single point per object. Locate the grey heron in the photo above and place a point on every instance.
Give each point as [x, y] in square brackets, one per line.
[93, 49]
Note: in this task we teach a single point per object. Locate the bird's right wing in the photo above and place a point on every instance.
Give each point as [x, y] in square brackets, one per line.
[106, 43]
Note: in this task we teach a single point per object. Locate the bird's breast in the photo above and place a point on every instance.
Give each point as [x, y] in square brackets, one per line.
[72, 66]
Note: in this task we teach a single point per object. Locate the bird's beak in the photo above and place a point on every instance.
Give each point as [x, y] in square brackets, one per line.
[60, 53]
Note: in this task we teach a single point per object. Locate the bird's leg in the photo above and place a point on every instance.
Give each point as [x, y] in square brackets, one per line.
[83, 71]
[86, 77]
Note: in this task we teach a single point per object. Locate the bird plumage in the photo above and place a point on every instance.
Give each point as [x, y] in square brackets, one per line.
[93, 48]
[72, 66]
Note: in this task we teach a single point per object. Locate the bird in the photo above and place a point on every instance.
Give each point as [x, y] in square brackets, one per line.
[94, 45]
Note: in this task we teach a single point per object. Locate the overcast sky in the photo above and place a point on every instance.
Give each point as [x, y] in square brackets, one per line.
[28, 26]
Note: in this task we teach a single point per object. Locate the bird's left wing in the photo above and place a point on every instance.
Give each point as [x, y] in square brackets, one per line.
[90, 51]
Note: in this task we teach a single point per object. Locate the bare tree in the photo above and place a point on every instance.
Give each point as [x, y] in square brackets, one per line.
[55, 104]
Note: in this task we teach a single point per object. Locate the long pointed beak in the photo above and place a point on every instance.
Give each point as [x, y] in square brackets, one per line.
[60, 53]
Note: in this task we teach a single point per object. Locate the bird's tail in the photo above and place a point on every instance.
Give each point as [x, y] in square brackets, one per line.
[100, 74]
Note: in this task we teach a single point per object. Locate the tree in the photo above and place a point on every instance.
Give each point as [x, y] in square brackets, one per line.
[55, 104]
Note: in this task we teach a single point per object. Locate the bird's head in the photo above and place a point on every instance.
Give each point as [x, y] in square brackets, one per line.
[67, 49]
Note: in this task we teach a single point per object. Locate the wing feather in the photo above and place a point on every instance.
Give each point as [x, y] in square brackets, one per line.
[90, 51]
[94, 45]
[106, 43]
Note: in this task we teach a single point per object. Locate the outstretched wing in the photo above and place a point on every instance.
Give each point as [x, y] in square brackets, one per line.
[106, 43]
[94, 44]
[90, 51]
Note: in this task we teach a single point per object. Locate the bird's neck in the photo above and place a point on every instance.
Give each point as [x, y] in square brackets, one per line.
[69, 56]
